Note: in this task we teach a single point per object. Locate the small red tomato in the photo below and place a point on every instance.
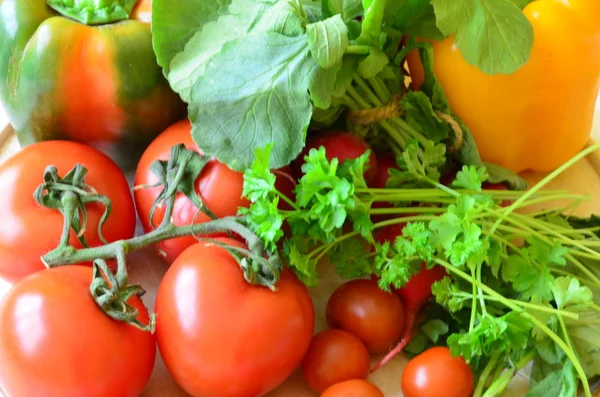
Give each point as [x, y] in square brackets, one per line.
[363, 309]
[341, 145]
[334, 356]
[435, 373]
[353, 388]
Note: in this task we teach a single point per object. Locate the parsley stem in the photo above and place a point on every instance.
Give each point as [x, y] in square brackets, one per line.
[479, 291]
[358, 49]
[563, 327]
[487, 370]
[287, 200]
[498, 387]
[408, 210]
[511, 305]
[510, 209]
[474, 303]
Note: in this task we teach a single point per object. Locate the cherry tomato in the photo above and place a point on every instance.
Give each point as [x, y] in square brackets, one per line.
[334, 356]
[56, 342]
[28, 230]
[435, 373]
[219, 187]
[353, 388]
[363, 309]
[341, 145]
[220, 336]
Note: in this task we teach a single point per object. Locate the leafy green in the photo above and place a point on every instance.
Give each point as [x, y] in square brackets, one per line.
[173, 27]
[415, 18]
[347, 9]
[374, 11]
[374, 64]
[241, 112]
[419, 113]
[327, 41]
[493, 35]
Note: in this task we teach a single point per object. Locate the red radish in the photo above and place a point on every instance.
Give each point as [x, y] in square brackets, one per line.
[341, 145]
[415, 294]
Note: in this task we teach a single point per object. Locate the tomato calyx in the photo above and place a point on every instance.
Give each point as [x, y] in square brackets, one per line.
[177, 175]
[70, 195]
[112, 293]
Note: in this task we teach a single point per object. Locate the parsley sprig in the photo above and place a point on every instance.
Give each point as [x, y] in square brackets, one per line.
[518, 282]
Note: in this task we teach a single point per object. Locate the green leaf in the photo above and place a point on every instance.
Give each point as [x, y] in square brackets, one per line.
[91, 12]
[233, 113]
[493, 35]
[568, 291]
[550, 386]
[419, 113]
[321, 84]
[584, 336]
[522, 3]
[304, 266]
[242, 17]
[328, 41]
[312, 9]
[173, 26]
[435, 328]
[372, 22]
[531, 281]
[373, 64]
[345, 75]
[259, 182]
[264, 219]
[347, 9]
[415, 18]
[498, 174]
[470, 178]
[352, 259]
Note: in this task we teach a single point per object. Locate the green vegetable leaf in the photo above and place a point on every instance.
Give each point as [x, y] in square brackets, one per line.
[435, 328]
[532, 282]
[584, 336]
[242, 17]
[259, 182]
[321, 84]
[414, 18]
[264, 219]
[352, 259]
[304, 266]
[562, 382]
[372, 22]
[234, 113]
[447, 293]
[345, 75]
[420, 114]
[522, 3]
[312, 9]
[568, 291]
[347, 9]
[493, 35]
[498, 174]
[173, 27]
[470, 178]
[328, 41]
[373, 64]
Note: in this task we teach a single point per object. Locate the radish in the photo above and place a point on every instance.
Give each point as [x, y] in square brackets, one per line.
[341, 145]
[415, 294]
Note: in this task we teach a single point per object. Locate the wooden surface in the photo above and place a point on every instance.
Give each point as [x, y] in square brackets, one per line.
[147, 269]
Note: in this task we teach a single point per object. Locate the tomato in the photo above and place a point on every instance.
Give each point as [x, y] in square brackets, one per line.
[353, 388]
[220, 336]
[334, 356]
[55, 340]
[341, 145]
[219, 187]
[28, 230]
[435, 373]
[362, 308]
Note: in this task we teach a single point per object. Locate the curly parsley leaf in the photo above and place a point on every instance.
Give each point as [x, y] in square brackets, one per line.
[470, 177]
[259, 182]
[352, 259]
[493, 35]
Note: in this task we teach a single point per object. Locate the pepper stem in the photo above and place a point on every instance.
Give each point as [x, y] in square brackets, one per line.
[94, 12]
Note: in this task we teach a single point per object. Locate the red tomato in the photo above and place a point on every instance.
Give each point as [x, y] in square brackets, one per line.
[334, 356]
[28, 230]
[353, 388]
[55, 341]
[435, 373]
[341, 145]
[363, 309]
[220, 336]
[219, 187]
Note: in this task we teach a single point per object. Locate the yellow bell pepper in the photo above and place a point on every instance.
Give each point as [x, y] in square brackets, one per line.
[540, 116]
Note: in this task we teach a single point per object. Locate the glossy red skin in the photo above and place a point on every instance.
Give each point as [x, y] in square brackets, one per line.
[353, 388]
[28, 230]
[435, 373]
[341, 145]
[56, 342]
[220, 188]
[363, 309]
[334, 356]
[220, 336]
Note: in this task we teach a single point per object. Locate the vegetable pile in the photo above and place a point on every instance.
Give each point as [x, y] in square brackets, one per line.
[322, 137]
